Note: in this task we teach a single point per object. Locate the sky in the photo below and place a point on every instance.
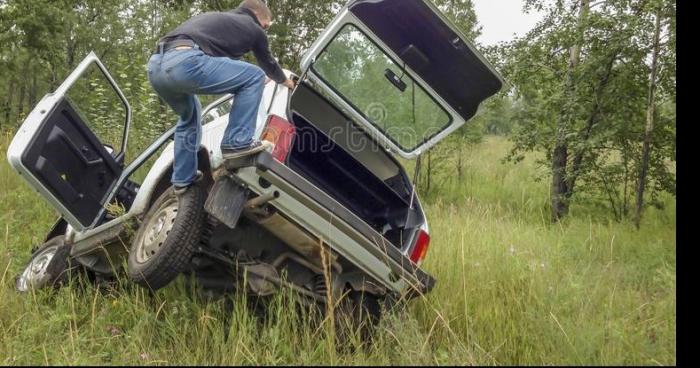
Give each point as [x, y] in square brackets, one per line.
[500, 19]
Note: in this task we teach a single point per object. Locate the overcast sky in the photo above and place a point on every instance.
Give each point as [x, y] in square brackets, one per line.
[500, 19]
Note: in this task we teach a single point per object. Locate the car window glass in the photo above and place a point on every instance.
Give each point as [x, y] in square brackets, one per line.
[100, 107]
[355, 68]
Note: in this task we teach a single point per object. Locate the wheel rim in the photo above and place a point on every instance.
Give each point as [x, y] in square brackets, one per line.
[35, 275]
[155, 231]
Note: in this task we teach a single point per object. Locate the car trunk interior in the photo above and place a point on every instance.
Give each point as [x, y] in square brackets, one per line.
[350, 167]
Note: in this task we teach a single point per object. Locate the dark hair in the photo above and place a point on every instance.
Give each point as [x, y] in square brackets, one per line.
[258, 6]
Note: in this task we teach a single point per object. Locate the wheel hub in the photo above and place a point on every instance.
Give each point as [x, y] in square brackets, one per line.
[35, 275]
[156, 231]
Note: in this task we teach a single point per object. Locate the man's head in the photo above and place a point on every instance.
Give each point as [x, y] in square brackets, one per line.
[262, 12]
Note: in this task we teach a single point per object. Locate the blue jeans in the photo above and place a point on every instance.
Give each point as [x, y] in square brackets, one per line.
[179, 75]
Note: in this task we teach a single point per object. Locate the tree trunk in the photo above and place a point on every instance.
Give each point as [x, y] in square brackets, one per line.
[625, 191]
[416, 173]
[560, 155]
[53, 78]
[70, 54]
[646, 149]
[22, 93]
[8, 102]
[33, 90]
[459, 161]
[430, 170]
[590, 123]
[560, 205]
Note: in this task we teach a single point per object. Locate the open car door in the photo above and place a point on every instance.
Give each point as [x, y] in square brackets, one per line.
[402, 70]
[71, 147]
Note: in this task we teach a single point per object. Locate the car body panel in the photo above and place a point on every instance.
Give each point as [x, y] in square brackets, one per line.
[27, 139]
[327, 219]
[376, 257]
[212, 134]
[458, 82]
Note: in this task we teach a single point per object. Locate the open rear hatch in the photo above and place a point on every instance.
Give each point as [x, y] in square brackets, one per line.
[402, 70]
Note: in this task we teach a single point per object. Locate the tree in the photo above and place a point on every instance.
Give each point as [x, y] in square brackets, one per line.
[462, 14]
[661, 14]
[579, 77]
[292, 31]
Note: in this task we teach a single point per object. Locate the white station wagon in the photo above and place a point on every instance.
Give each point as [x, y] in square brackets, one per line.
[331, 201]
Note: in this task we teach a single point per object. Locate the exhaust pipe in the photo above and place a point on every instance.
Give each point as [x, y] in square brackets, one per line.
[304, 243]
[261, 200]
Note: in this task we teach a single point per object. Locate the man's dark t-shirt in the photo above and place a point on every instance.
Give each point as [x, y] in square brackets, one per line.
[231, 34]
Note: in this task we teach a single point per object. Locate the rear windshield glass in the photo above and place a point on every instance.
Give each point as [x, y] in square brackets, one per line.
[356, 69]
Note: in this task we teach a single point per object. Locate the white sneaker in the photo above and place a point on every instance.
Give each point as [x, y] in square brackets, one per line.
[255, 147]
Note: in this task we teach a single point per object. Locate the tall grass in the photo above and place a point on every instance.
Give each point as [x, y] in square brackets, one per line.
[512, 289]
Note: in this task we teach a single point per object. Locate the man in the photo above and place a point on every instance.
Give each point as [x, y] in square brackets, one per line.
[201, 56]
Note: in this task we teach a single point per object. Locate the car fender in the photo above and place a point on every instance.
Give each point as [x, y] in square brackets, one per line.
[160, 168]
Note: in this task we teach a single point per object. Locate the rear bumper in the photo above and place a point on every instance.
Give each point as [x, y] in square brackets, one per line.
[323, 216]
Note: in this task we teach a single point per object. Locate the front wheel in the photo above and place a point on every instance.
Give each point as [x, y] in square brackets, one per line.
[168, 237]
[50, 266]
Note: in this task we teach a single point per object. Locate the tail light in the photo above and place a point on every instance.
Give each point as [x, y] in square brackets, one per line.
[420, 249]
[280, 132]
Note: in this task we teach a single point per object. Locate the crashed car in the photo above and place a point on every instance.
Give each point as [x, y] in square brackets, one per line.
[387, 79]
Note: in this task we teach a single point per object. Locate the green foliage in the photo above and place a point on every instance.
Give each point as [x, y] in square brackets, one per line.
[496, 116]
[46, 39]
[597, 106]
[511, 290]
[355, 68]
[461, 14]
[296, 24]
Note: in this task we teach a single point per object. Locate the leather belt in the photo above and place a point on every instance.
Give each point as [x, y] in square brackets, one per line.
[162, 47]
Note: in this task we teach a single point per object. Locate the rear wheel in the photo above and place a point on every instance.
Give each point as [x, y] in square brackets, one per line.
[168, 237]
[359, 314]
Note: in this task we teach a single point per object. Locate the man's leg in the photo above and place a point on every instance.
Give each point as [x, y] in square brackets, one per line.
[246, 81]
[188, 136]
[188, 131]
[244, 112]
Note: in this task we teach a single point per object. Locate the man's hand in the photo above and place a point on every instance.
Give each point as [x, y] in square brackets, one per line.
[289, 83]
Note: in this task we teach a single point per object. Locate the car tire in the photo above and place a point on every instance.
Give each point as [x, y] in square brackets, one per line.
[359, 312]
[49, 266]
[367, 313]
[167, 238]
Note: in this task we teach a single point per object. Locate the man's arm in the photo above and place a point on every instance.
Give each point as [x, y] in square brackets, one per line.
[268, 63]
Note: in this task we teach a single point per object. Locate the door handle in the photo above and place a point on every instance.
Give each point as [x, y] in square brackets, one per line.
[80, 152]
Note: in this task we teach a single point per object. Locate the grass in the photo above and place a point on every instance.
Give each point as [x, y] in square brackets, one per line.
[512, 289]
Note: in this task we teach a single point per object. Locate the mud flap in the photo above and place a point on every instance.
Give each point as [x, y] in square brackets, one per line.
[226, 200]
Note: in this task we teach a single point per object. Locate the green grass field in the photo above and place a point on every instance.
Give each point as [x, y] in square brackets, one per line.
[512, 289]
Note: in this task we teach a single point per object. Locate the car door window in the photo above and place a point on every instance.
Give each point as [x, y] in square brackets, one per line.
[70, 148]
[100, 108]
